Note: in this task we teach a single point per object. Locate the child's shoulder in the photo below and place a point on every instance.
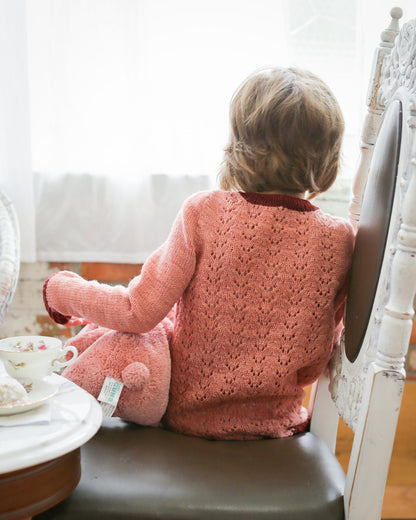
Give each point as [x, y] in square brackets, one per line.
[339, 228]
[334, 221]
[209, 195]
[208, 198]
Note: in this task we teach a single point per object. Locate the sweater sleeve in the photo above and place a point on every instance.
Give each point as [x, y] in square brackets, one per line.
[146, 300]
[307, 375]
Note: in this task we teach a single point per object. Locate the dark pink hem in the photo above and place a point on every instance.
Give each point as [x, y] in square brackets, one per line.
[276, 199]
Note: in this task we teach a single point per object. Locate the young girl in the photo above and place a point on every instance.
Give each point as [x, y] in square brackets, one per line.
[252, 275]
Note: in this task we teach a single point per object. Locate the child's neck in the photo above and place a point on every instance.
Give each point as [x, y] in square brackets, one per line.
[298, 195]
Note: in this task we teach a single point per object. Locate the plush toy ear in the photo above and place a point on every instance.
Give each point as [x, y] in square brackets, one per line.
[135, 375]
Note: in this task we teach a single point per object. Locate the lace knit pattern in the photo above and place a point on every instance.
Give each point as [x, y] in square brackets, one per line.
[259, 284]
[259, 318]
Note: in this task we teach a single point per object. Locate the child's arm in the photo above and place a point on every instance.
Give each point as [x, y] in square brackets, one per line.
[148, 297]
[307, 375]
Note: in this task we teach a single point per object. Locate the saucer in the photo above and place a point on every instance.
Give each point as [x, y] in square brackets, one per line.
[38, 393]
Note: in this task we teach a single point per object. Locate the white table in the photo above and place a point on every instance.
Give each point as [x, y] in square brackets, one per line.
[40, 462]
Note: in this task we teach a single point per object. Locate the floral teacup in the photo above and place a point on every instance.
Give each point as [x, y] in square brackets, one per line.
[34, 357]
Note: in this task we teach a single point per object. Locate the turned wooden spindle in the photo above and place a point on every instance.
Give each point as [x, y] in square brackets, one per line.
[373, 116]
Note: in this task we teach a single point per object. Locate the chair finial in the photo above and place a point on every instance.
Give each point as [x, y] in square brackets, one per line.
[396, 13]
[388, 35]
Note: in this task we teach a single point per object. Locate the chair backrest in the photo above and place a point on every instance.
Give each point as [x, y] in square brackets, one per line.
[367, 371]
[9, 254]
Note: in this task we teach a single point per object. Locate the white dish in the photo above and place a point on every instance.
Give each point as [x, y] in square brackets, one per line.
[38, 393]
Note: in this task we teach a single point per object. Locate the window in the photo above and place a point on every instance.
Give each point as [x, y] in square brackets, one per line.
[128, 103]
[136, 87]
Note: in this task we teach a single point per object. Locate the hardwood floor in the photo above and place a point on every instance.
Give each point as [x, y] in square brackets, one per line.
[399, 502]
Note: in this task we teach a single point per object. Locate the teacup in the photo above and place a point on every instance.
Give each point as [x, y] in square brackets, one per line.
[34, 357]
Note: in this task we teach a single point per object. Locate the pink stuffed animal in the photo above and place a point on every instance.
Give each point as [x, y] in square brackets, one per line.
[130, 359]
[141, 361]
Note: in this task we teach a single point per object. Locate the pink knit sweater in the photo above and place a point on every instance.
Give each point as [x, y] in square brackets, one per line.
[259, 283]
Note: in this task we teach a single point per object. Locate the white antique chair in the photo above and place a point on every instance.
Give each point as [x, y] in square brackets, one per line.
[9, 254]
[134, 472]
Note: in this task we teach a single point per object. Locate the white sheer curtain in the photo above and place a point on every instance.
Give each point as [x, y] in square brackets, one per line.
[134, 87]
[15, 157]
[129, 103]
[129, 113]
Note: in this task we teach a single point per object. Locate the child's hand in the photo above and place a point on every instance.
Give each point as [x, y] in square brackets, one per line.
[55, 315]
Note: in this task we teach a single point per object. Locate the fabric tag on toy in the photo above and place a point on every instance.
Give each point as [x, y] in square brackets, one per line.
[109, 396]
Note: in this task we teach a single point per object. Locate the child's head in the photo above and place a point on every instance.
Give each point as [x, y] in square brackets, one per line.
[286, 133]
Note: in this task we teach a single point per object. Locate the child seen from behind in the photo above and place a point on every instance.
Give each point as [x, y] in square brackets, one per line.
[249, 289]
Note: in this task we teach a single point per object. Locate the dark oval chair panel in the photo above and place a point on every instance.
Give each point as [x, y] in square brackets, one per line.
[373, 229]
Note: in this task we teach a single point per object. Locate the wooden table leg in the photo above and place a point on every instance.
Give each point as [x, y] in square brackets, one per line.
[30, 491]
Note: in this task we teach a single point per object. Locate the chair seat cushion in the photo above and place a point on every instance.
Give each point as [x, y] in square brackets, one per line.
[129, 471]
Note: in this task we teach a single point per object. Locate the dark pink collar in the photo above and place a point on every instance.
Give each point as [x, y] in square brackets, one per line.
[276, 199]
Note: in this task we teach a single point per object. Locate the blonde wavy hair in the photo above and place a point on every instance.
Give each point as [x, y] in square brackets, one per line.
[286, 131]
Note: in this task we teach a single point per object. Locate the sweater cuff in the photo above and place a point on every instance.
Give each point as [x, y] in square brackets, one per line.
[55, 315]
